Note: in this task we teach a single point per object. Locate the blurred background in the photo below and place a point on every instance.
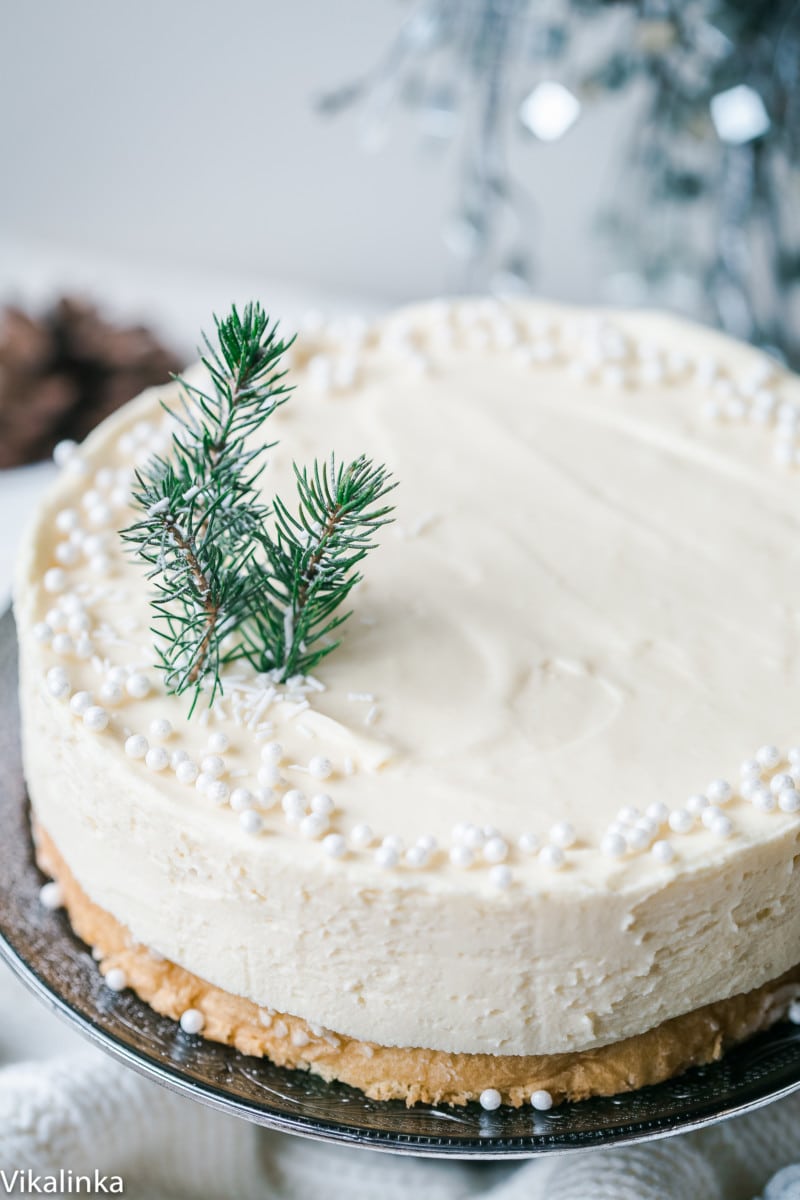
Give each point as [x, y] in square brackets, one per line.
[161, 160]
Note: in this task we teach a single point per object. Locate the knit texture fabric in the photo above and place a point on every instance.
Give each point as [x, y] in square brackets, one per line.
[83, 1111]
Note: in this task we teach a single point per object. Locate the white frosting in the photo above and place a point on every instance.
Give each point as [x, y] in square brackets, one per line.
[589, 601]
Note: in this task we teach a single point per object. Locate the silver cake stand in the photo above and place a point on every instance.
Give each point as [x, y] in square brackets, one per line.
[41, 948]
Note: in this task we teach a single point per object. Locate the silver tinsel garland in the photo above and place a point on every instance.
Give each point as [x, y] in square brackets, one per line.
[707, 215]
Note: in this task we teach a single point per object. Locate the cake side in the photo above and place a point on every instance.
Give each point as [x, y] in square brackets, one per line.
[538, 707]
[415, 1074]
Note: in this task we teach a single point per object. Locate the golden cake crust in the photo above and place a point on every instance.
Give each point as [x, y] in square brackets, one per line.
[414, 1074]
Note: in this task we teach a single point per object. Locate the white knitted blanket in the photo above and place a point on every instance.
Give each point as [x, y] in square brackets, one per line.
[73, 1108]
[82, 1112]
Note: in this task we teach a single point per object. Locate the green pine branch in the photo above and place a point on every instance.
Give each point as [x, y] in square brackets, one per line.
[225, 584]
[311, 560]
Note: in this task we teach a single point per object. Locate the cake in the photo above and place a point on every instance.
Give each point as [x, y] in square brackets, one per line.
[532, 831]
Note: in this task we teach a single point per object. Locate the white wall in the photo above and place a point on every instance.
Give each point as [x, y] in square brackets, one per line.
[181, 134]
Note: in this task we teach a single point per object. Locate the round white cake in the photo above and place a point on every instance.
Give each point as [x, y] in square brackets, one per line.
[543, 798]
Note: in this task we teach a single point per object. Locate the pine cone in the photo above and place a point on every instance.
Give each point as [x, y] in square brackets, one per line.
[61, 373]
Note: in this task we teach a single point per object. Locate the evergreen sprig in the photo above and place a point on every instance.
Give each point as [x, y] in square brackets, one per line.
[310, 560]
[217, 568]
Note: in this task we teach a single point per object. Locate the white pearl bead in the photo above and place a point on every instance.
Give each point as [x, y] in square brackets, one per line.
[192, 1021]
[386, 856]
[793, 756]
[563, 834]
[186, 772]
[794, 1012]
[663, 852]
[334, 845]
[294, 804]
[100, 515]
[58, 684]
[552, 857]
[116, 979]
[427, 842]
[768, 756]
[528, 843]
[63, 451]
[55, 580]
[95, 718]
[490, 1099]
[83, 647]
[789, 800]
[176, 757]
[719, 791]
[322, 804]
[628, 814]
[314, 825]
[218, 742]
[213, 765]
[272, 752]
[137, 685]
[695, 804]
[110, 693]
[80, 701]
[501, 877]
[67, 553]
[658, 812]
[57, 619]
[541, 1100]
[779, 782]
[119, 675]
[637, 839]
[251, 821]
[42, 632]
[722, 826]
[241, 799]
[63, 644]
[51, 895]
[67, 520]
[750, 767]
[320, 767]
[157, 758]
[461, 856]
[265, 797]
[136, 746]
[160, 729]
[78, 623]
[473, 837]
[614, 845]
[680, 821]
[763, 799]
[417, 856]
[361, 836]
[495, 850]
[218, 792]
[269, 774]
